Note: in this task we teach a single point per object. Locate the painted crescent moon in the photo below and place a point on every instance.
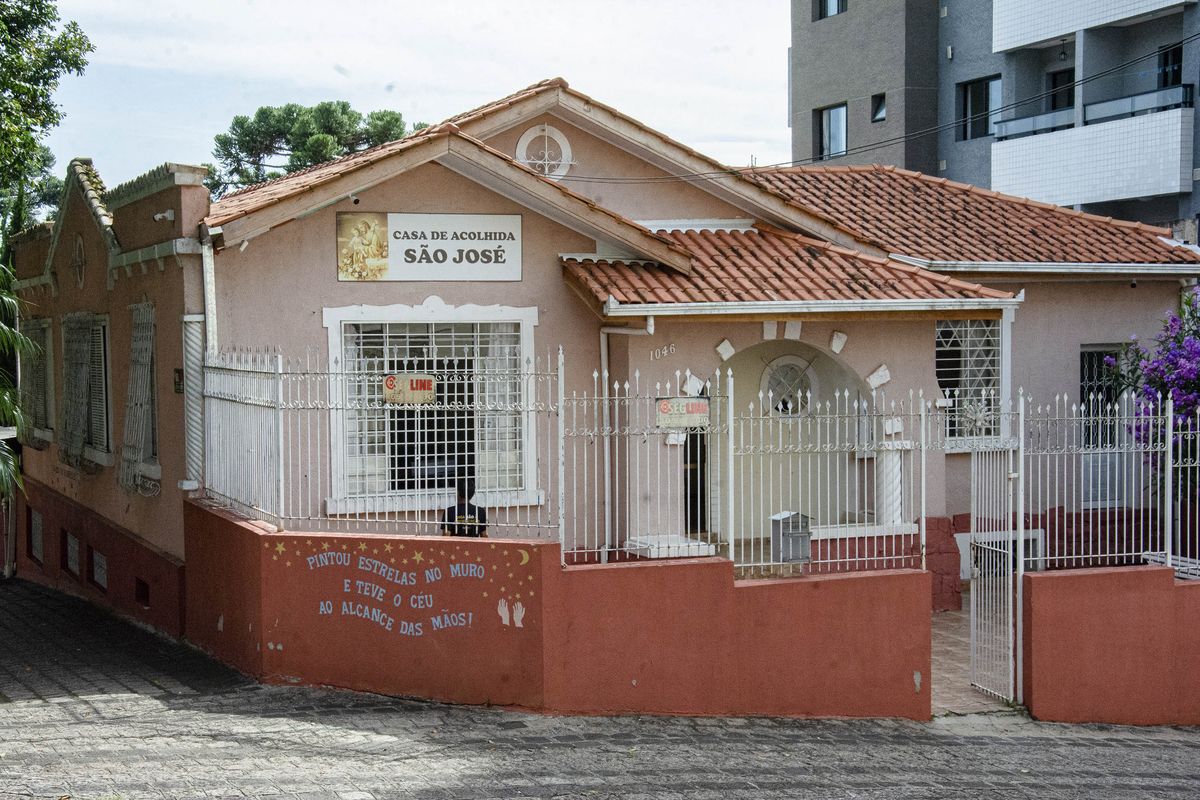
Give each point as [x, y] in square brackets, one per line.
[524, 557]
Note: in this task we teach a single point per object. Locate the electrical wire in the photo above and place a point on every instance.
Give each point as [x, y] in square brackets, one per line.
[738, 171]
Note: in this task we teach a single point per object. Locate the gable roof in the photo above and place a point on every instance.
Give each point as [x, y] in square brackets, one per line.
[938, 220]
[743, 269]
[465, 155]
[556, 96]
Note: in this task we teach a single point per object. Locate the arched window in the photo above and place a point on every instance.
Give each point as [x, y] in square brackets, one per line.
[788, 385]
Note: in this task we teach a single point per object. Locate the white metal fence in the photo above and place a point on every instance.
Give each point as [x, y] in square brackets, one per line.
[626, 470]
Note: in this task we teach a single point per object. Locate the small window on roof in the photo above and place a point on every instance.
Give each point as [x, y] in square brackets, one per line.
[878, 107]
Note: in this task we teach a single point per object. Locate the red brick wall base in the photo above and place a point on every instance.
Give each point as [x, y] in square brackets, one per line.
[144, 582]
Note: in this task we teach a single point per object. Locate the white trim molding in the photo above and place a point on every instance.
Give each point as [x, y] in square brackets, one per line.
[1051, 267]
[434, 309]
[613, 308]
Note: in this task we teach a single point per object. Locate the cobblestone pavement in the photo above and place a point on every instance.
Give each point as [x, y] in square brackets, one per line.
[92, 707]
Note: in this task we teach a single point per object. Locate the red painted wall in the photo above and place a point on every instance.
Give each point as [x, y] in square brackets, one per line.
[129, 559]
[669, 637]
[1118, 645]
[682, 637]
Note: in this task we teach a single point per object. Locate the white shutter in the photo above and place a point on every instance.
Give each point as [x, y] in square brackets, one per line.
[139, 403]
[73, 431]
[98, 387]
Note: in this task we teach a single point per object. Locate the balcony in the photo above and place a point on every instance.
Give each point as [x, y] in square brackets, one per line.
[1022, 23]
[1103, 111]
[1128, 147]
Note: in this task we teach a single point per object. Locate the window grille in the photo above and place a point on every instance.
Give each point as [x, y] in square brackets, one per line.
[139, 446]
[472, 431]
[35, 388]
[85, 387]
[967, 365]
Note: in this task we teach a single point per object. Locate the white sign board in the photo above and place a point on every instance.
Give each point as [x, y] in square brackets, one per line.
[682, 412]
[410, 389]
[376, 246]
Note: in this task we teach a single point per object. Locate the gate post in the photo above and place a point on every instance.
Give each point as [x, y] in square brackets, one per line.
[560, 396]
[923, 445]
[729, 461]
[1020, 527]
[1168, 492]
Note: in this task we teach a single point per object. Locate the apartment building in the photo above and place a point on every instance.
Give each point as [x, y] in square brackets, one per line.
[1087, 104]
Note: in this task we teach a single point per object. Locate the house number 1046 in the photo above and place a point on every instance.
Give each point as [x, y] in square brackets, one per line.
[659, 353]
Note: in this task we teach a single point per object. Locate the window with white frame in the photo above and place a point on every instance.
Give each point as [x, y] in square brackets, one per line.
[37, 386]
[967, 363]
[464, 422]
[85, 418]
[139, 450]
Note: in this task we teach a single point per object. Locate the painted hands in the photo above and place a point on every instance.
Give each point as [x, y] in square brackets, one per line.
[502, 610]
[518, 613]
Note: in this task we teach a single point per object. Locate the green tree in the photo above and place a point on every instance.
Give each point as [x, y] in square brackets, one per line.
[281, 139]
[35, 53]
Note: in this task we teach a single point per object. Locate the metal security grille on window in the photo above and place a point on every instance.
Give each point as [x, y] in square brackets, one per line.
[139, 446]
[967, 365]
[33, 378]
[469, 430]
[788, 389]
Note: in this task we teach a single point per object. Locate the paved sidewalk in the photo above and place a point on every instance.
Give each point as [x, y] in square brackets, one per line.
[95, 708]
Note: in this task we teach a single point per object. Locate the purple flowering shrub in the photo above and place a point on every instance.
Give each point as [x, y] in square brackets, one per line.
[1171, 369]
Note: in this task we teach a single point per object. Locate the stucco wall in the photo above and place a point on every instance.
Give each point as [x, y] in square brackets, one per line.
[1116, 645]
[595, 158]
[157, 519]
[631, 638]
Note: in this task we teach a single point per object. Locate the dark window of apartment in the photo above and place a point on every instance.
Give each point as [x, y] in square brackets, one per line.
[831, 131]
[1170, 65]
[878, 108]
[980, 101]
[828, 8]
[1097, 394]
[1062, 89]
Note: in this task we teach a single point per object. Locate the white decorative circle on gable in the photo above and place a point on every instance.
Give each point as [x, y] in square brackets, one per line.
[545, 150]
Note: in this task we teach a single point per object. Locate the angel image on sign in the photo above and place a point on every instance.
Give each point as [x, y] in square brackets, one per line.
[362, 246]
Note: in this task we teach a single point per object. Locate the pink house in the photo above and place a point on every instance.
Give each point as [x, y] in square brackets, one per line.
[718, 419]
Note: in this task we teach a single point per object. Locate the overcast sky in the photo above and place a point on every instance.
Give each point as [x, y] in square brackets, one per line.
[168, 76]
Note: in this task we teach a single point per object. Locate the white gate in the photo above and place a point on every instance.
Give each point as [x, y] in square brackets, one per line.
[995, 538]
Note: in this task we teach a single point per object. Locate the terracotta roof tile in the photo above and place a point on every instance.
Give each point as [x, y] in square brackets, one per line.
[766, 264]
[919, 215]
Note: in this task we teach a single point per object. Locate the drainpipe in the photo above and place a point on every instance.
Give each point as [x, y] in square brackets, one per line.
[606, 418]
[210, 289]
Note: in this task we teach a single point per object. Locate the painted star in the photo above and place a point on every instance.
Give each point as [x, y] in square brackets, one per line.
[288, 564]
[343, 547]
[417, 557]
[387, 547]
[279, 548]
[362, 546]
[274, 558]
[391, 560]
[374, 551]
[266, 545]
[309, 543]
[324, 545]
[485, 594]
